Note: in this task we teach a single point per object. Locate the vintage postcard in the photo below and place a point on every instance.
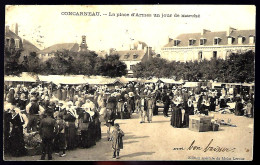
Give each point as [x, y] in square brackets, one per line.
[129, 82]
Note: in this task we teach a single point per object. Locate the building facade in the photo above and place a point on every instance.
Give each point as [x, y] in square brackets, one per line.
[12, 40]
[208, 45]
[138, 52]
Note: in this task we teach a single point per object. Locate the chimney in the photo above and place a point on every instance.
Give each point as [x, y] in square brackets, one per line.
[204, 31]
[7, 29]
[16, 28]
[149, 52]
[230, 30]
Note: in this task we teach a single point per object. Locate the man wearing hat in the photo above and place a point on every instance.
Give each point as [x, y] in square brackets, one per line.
[33, 110]
[48, 129]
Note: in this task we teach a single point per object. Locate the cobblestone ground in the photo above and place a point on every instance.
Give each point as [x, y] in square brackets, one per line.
[160, 141]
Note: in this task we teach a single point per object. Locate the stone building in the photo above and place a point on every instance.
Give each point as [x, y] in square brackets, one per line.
[12, 40]
[208, 45]
[138, 52]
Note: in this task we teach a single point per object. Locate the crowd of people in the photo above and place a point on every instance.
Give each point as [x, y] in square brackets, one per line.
[74, 112]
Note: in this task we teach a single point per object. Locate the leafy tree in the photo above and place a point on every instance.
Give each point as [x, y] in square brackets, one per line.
[112, 66]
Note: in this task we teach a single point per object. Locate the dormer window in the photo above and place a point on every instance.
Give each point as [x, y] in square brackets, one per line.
[176, 42]
[216, 40]
[135, 56]
[127, 56]
[191, 42]
[241, 39]
[230, 40]
[202, 41]
[251, 39]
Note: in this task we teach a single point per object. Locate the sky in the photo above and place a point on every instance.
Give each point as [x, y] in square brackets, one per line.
[44, 25]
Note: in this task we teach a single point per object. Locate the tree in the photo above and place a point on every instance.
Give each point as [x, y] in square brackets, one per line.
[11, 64]
[112, 66]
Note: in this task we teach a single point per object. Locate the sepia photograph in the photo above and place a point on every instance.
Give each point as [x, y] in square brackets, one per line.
[129, 82]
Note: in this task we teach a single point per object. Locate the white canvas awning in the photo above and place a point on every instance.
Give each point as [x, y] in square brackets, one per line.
[191, 84]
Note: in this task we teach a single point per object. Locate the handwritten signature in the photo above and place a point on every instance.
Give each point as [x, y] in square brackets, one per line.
[208, 148]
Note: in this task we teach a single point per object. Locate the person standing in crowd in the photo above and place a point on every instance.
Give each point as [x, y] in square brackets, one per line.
[144, 107]
[212, 102]
[10, 96]
[150, 104]
[22, 102]
[61, 137]
[110, 115]
[239, 106]
[84, 119]
[189, 110]
[110, 118]
[117, 140]
[17, 144]
[33, 110]
[249, 109]
[131, 101]
[7, 116]
[176, 118]
[48, 128]
[166, 102]
[70, 119]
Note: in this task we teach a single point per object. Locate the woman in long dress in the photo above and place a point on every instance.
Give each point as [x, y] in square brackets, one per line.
[17, 144]
[70, 118]
[176, 118]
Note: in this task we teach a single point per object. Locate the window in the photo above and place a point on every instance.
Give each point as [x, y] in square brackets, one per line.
[216, 41]
[7, 42]
[202, 41]
[191, 42]
[251, 39]
[135, 56]
[17, 43]
[132, 67]
[215, 54]
[126, 56]
[230, 40]
[240, 39]
[200, 55]
[176, 42]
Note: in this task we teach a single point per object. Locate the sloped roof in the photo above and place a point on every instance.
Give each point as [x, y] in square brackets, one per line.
[58, 47]
[128, 55]
[11, 34]
[28, 47]
[209, 36]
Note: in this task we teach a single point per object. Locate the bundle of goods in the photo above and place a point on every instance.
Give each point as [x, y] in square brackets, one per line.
[159, 103]
[228, 123]
[32, 143]
[200, 123]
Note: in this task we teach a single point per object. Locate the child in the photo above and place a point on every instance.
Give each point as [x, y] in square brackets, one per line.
[117, 140]
[61, 139]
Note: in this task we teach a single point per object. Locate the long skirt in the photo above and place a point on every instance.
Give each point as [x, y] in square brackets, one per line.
[17, 144]
[91, 135]
[176, 118]
[98, 131]
[71, 135]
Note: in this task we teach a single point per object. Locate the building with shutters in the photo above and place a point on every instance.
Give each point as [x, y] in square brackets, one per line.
[138, 52]
[208, 45]
[12, 40]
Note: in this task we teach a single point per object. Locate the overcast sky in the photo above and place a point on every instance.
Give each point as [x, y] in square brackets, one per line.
[45, 26]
